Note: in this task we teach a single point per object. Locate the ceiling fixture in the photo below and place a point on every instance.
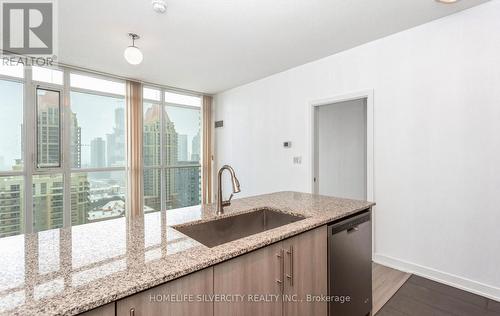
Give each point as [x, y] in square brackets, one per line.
[159, 6]
[132, 53]
[447, 1]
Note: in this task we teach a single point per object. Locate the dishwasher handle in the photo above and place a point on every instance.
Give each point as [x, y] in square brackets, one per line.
[353, 229]
[351, 224]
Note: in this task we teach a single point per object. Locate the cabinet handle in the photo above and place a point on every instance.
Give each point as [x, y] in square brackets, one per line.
[290, 275]
[132, 311]
[281, 259]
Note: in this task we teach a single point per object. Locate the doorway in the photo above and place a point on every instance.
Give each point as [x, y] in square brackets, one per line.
[343, 146]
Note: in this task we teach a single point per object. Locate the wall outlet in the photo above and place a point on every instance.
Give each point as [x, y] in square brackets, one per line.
[297, 160]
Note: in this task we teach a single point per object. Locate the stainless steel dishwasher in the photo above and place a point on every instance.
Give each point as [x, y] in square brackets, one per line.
[350, 266]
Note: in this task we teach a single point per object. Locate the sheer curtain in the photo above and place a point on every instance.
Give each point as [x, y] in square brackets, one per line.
[134, 149]
[207, 150]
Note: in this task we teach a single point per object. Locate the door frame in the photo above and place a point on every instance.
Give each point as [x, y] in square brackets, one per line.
[370, 165]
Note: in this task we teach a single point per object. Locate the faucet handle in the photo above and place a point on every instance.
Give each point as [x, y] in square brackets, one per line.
[227, 202]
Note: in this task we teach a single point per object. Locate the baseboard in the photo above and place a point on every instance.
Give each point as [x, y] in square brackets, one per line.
[468, 285]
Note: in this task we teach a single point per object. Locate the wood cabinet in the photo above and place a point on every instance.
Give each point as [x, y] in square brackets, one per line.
[105, 310]
[253, 280]
[306, 271]
[280, 276]
[177, 297]
[274, 281]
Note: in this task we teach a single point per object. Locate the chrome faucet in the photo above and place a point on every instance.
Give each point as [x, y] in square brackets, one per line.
[236, 189]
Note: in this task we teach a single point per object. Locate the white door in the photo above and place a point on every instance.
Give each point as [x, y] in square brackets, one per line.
[340, 149]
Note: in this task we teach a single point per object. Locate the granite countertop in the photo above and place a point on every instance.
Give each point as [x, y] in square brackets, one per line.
[71, 270]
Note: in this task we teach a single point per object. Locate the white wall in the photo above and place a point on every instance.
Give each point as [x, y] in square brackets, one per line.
[341, 149]
[437, 141]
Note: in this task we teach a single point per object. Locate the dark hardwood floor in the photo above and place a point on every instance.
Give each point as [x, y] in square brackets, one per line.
[422, 297]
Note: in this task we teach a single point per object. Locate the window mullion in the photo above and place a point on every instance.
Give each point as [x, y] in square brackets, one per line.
[28, 136]
[162, 153]
[66, 149]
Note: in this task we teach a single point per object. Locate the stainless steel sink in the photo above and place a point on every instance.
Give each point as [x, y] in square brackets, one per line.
[220, 231]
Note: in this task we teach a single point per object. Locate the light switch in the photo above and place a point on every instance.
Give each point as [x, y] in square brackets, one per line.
[297, 160]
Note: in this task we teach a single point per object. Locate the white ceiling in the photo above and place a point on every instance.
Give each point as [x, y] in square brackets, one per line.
[211, 46]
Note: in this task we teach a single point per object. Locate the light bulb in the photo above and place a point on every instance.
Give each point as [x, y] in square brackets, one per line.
[159, 6]
[133, 55]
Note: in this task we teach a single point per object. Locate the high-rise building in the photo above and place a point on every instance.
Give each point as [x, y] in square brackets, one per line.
[151, 152]
[182, 147]
[195, 147]
[48, 201]
[170, 147]
[116, 140]
[151, 156]
[48, 129]
[11, 206]
[76, 142]
[97, 153]
[80, 198]
[188, 185]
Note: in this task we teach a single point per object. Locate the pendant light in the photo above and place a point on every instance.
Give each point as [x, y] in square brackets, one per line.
[133, 54]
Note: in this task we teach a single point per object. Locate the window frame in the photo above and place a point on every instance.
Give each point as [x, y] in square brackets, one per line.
[49, 169]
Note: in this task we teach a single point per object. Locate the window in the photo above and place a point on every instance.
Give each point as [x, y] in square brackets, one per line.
[182, 159]
[11, 206]
[48, 197]
[47, 75]
[98, 178]
[171, 149]
[16, 71]
[48, 128]
[48, 187]
[64, 164]
[97, 196]
[70, 144]
[152, 156]
[182, 99]
[97, 84]
[11, 142]
[98, 141]
[151, 94]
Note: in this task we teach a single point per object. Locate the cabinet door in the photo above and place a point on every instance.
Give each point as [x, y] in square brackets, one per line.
[177, 297]
[306, 273]
[257, 273]
[106, 310]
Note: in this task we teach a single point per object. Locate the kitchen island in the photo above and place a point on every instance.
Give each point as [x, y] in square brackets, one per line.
[73, 270]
